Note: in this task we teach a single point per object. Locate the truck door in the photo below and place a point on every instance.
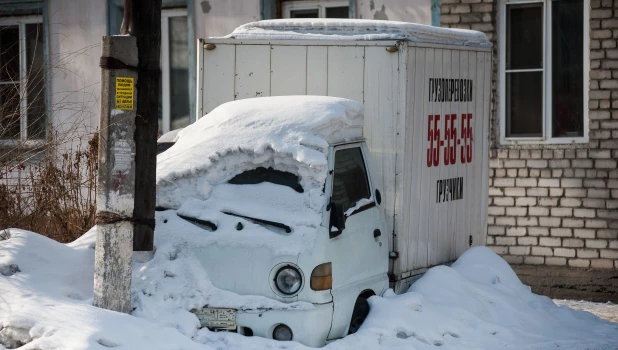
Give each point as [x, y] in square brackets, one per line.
[360, 252]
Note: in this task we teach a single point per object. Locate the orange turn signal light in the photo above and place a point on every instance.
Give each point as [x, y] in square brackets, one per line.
[322, 277]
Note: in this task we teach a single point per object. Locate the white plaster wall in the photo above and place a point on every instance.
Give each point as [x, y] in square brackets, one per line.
[416, 11]
[220, 17]
[75, 28]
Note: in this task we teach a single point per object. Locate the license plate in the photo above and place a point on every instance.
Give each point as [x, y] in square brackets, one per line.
[217, 318]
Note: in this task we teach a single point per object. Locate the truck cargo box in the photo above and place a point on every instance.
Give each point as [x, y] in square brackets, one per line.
[426, 93]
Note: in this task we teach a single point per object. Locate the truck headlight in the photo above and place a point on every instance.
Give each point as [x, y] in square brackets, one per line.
[288, 280]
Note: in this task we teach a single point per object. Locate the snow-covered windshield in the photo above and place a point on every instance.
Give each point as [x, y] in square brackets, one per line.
[255, 195]
[277, 208]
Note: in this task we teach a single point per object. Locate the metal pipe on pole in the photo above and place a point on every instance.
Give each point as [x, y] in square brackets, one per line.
[142, 19]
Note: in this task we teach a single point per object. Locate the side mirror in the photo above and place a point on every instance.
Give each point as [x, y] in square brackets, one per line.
[337, 220]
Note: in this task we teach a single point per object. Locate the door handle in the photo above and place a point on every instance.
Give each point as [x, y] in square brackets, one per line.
[376, 233]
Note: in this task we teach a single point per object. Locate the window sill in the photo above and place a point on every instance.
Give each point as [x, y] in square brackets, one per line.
[12, 143]
[541, 143]
[16, 151]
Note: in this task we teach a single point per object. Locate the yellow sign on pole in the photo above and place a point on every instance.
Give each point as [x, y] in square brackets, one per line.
[124, 93]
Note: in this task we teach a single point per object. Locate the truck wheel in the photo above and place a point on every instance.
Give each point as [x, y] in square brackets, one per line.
[361, 310]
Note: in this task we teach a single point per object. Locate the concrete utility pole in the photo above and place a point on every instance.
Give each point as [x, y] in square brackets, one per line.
[116, 175]
[127, 147]
[142, 19]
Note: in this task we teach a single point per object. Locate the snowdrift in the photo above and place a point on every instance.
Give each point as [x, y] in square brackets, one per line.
[477, 303]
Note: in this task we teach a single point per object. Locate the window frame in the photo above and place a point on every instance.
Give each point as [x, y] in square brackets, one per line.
[21, 22]
[547, 116]
[166, 14]
[366, 164]
[320, 5]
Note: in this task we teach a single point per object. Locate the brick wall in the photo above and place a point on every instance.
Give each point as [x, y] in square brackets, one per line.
[555, 205]
[478, 15]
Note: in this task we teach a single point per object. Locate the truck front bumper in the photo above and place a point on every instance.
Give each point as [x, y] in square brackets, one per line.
[309, 327]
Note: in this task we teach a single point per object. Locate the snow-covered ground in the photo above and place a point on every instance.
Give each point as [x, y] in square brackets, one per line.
[46, 288]
[477, 303]
[608, 310]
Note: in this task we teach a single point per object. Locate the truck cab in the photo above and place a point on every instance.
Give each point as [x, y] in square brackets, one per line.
[309, 226]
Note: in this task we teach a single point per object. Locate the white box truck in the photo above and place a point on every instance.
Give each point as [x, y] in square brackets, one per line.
[426, 96]
[426, 93]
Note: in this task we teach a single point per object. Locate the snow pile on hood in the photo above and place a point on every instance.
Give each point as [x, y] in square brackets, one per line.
[357, 29]
[478, 303]
[287, 133]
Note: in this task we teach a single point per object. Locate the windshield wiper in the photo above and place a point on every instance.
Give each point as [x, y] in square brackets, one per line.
[199, 223]
[261, 221]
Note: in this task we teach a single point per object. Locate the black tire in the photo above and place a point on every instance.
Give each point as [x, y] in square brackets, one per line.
[361, 310]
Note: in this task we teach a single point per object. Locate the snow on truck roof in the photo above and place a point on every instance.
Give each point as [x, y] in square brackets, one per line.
[357, 29]
[287, 133]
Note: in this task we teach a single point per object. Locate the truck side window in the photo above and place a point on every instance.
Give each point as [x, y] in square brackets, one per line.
[350, 177]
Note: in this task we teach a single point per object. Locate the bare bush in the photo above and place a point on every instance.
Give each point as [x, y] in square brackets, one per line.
[54, 196]
[47, 175]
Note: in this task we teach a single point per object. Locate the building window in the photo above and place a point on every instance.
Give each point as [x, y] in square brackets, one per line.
[174, 108]
[22, 79]
[316, 9]
[544, 71]
[174, 70]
